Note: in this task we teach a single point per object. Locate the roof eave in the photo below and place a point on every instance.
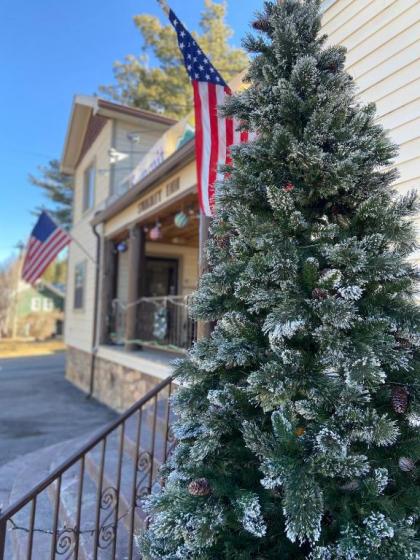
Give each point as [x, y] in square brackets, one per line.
[178, 159]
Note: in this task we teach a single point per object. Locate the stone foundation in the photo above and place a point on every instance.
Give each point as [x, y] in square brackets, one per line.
[114, 385]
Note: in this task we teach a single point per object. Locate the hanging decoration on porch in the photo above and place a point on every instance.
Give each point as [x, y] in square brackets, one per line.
[122, 247]
[160, 325]
[156, 232]
[181, 220]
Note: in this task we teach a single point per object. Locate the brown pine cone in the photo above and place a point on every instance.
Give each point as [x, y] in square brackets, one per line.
[399, 399]
[402, 342]
[319, 293]
[199, 487]
[262, 24]
[406, 464]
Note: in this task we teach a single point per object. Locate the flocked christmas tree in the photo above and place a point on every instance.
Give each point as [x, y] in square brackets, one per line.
[298, 419]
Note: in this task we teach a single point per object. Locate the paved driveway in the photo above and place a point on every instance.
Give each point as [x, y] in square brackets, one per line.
[38, 407]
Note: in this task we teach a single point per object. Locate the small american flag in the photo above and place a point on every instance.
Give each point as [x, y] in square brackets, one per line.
[214, 135]
[46, 241]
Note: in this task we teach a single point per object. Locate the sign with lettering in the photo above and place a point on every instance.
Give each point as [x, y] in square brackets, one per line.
[171, 140]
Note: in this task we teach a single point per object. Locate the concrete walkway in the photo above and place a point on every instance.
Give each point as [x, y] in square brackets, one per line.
[38, 407]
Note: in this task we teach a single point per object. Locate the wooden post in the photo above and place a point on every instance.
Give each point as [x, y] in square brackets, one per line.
[203, 327]
[136, 250]
[107, 288]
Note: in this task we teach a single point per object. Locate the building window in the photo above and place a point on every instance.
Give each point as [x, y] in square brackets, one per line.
[79, 285]
[48, 304]
[36, 304]
[89, 188]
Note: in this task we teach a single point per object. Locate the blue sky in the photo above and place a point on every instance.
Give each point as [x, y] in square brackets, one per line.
[49, 51]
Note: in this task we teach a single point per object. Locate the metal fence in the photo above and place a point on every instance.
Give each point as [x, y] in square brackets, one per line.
[90, 507]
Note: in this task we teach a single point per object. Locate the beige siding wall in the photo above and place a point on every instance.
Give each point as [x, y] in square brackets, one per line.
[121, 142]
[382, 38]
[79, 324]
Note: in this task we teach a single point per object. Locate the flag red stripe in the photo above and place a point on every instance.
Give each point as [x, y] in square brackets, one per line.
[198, 141]
[30, 250]
[51, 247]
[38, 254]
[49, 259]
[214, 131]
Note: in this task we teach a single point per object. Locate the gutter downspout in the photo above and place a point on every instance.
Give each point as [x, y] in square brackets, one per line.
[95, 314]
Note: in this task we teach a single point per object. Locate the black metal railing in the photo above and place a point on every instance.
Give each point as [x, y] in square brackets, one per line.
[90, 506]
[161, 322]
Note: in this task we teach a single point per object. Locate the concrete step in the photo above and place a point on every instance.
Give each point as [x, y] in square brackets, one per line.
[19, 477]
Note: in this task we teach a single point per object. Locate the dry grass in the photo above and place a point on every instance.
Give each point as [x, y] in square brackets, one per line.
[22, 348]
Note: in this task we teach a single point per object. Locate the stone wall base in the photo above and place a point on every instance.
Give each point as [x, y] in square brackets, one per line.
[114, 385]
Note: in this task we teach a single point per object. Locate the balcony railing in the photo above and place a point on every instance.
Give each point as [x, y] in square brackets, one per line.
[90, 507]
[161, 322]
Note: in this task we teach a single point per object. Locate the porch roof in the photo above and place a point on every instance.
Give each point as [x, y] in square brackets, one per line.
[177, 160]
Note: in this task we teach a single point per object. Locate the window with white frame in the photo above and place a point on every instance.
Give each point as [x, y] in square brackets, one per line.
[89, 188]
[48, 304]
[35, 304]
[79, 285]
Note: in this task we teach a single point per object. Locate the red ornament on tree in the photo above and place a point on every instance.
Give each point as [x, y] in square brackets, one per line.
[288, 187]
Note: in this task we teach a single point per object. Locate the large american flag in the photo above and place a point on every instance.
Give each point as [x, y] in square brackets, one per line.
[46, 241]
[214, 135]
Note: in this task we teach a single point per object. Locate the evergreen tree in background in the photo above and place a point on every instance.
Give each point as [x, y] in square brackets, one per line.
[299, 416]
[166, 88]
[57, 187]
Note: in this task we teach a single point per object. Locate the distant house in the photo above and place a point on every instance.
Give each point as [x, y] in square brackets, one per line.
[39, 310]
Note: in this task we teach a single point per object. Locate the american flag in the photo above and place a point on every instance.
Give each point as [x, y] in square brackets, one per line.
[214, 135]
[46, 241]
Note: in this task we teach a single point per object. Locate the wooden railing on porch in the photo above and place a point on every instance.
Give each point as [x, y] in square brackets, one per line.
[90, 507]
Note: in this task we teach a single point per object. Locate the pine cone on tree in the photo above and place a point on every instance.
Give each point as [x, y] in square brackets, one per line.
[406, 464]
[199, 487]
[402, 342]
[262, 24]
[319, 293]
[399, 399]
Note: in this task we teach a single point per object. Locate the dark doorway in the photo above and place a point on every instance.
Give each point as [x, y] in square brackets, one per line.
[161, 277]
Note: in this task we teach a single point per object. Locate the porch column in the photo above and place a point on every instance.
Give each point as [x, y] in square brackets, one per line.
[203, 327]
[107, 271]
[136, 258]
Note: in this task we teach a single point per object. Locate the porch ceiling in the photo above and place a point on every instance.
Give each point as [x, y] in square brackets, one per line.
[171, 234]
[189, 235]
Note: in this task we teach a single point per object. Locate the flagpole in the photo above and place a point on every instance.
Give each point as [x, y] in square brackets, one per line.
[164, 5]
[74, 240]
[84, 250]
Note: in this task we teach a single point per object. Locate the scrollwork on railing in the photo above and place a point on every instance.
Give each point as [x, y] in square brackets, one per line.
[144, 462]
[107, 535]
[109, 498]
[109, 504]
[66, 542]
